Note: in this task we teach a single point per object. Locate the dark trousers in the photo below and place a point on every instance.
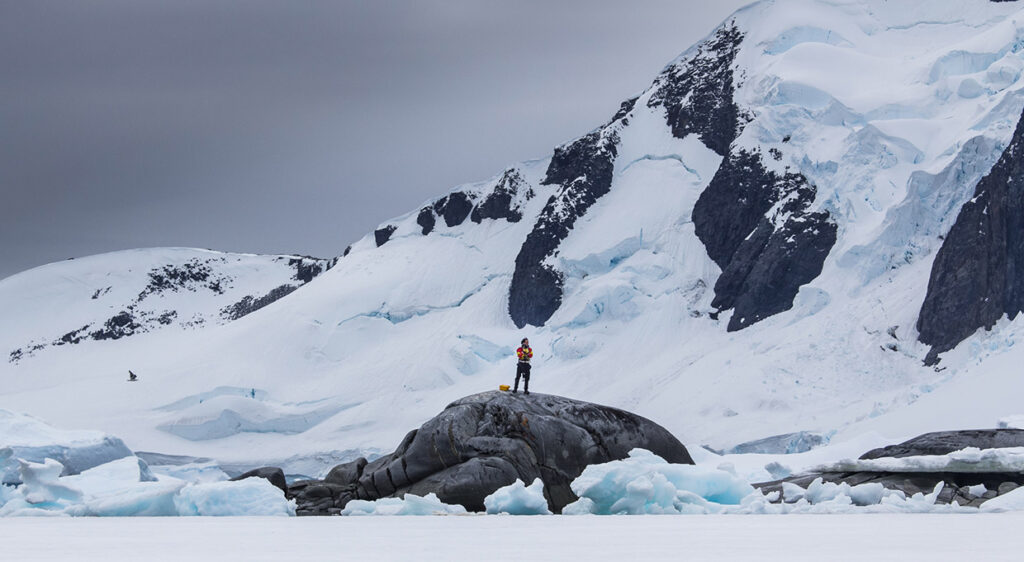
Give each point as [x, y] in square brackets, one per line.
[522, 371]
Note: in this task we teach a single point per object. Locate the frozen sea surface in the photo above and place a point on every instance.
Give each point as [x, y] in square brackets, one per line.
[668, 537]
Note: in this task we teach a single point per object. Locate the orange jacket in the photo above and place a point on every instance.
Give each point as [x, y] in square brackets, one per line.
[525, 354]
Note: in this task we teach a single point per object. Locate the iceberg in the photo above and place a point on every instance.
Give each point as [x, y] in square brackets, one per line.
[252, 496]
[126, 487]
[519, 499]
[29, 439]
[411, 504]
[645, 483]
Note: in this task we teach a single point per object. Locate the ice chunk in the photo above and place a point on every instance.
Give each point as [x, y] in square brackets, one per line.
[646, 483]
[40, 485]
[252, 496]
[1010, 501]
[409, 505]
[27, 438]
[519, 499]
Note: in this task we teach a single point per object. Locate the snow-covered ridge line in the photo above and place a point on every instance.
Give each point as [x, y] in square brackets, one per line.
[232, 286]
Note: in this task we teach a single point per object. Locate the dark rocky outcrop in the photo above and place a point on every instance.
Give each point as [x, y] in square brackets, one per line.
[250, 304]
[955, 484]
[426, 220]
[501, 202]
[307, 267]
[756, 226]
[978, 273]
[453, 208]
[383, 234]
[483, 442]
[272, 474]
[697, 92]
[584, 170]
[945, 442]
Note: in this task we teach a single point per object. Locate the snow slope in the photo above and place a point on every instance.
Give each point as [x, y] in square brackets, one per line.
[643, 273]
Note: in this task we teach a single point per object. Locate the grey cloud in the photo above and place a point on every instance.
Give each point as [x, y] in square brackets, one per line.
[293, 126]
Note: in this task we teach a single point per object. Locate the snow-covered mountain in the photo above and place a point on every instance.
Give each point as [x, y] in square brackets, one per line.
[807, 223]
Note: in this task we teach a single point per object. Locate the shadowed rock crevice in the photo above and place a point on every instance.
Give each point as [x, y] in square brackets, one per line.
[978, 273]
[486, 441]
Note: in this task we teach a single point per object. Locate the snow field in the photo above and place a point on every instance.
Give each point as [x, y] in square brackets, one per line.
[879, 537]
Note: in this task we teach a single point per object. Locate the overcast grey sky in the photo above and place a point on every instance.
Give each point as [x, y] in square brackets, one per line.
[294, 126]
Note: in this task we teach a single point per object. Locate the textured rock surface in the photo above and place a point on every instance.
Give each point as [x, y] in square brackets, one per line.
[272, 474]
[584, 170]
[485, 441]
[955, 484]
[697, 92]
[383, 234]
[756, 226]
[501, 202]
[944, 442]
[978, 273]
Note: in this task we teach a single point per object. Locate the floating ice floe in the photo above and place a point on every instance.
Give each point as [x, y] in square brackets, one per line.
[519, 499]
[27, 438]
[645, 483]
[126, 487]
[409, 505]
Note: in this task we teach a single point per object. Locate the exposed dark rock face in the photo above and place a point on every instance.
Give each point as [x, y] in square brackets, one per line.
[955, 484]
[272, 474]
[453, 208]
[306, 268]
[697, 92]
[483, 442]
[584, 170]
[945, 442]
[382, 235]
[120, 325]
[192, 276]
[756, 226]
[978, 273]
[195, 275]
[249, 304]
[426, 220]
[501, 202]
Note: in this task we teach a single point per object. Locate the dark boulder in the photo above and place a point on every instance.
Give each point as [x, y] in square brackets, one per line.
[945, 442]
[483, 442]
[270, 473]
[346, 474]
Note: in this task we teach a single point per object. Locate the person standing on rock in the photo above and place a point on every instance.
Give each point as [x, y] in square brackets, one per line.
[523, 368]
